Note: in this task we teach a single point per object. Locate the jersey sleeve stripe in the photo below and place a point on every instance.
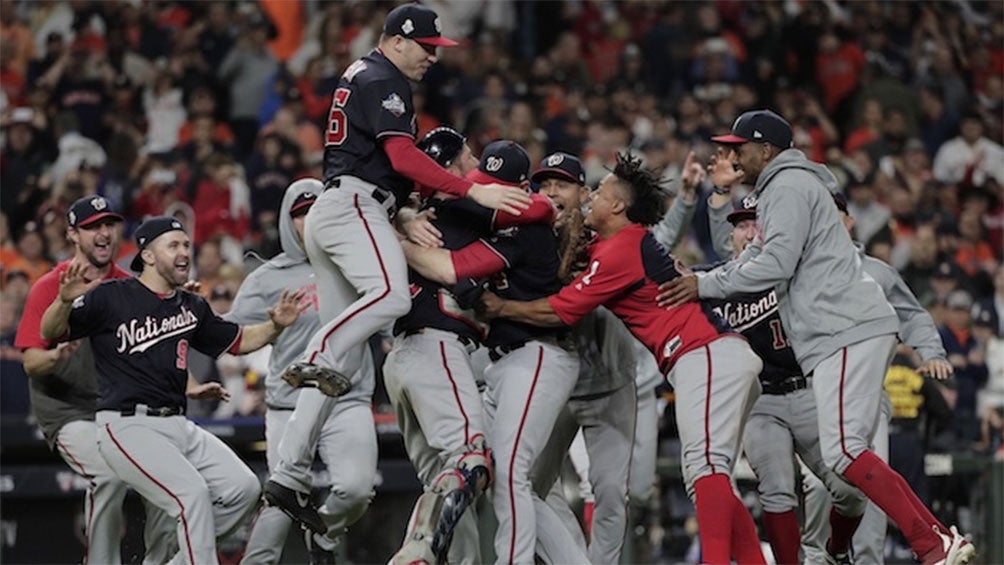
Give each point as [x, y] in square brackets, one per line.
[392, 133]
[495, 251]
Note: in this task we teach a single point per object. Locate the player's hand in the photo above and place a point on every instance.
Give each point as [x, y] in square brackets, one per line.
[678, 291]
[692, 175]
[722, 171]
[73, 282]
[195, 287]
[490, 305]
[288, 309]
[421, 231]
[208, 391]
[938, 368]
[500, 197]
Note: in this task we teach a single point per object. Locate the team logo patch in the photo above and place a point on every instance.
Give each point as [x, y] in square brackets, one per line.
[176, 225]
[393, 104]
[99, 203]
[78, 302]
[555, 160]
[408, 26]
[750, 201]
[439, 26]
[757, 134]
[73, 217]
[493, 164]
[671, 346]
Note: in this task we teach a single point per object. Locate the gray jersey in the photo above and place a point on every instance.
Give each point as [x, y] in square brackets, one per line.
[261, 290]
[826, 300]
[916, 327]
[67, 395]
[606, 354]
[721, 229]
[674, 224]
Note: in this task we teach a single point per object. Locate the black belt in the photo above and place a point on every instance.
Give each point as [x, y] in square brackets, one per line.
[161, 412]
[563, 340]
[497, 352]
[791, 384]
[381, 195]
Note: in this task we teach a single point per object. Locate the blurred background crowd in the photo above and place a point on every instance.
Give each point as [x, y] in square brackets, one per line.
[208, 110]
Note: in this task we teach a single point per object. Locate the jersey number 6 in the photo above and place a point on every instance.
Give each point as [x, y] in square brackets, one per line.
[337, 120]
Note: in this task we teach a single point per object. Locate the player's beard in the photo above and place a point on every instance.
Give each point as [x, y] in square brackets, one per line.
[174, 275]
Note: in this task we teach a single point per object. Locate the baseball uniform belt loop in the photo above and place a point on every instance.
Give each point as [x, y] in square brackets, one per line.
[383, 196]
[160, 412]
[791, 384]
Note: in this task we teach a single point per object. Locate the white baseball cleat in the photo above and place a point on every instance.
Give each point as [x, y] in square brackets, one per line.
[956, 549]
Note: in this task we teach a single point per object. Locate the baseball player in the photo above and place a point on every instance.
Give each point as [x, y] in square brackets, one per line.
[917, 330]
[140, 330]
[64, 393]
[603, 403]
[439, 407]
[347, 444]
[713, 371]
[840, 325]
[783, 420]
[370, 166]
[532, 371]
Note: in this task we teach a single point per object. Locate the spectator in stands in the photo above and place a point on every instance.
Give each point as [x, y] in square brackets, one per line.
[165, 112]
[247, 70]
[14, 401]
[31, 258]
[923, 263]
[869, 214]
[24, 160]
[970, 157]
[269, 173]
[938, 122]
[967, 358]
[222, 203]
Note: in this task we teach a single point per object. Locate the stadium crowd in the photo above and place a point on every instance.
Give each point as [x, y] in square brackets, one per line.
[208, 110]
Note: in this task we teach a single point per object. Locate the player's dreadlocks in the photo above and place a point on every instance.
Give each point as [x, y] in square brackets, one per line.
[648, 201]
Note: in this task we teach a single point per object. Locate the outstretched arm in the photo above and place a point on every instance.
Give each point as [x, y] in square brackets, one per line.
[536, 313]
[72, 285]
[281, 316]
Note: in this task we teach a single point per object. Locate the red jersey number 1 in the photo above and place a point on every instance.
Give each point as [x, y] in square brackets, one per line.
[337, 120]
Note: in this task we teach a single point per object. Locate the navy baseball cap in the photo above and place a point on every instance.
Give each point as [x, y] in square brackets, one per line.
[149, 231]
[504, 162]
[947, 270]
[742, 213]
[302, 204]
[414, 21]
[758, 126]
[560, 165]
[443, 144]
[88, 210]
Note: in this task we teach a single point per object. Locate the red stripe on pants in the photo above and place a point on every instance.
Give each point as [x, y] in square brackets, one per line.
[456, 393]
[515, 446]
[707, 415]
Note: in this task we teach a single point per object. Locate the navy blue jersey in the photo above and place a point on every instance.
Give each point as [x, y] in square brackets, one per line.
[140, 341]
[757, 318]
[372, 101]
[530, 253]
[462, 222]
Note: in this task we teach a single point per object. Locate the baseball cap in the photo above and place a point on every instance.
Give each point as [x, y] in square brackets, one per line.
[758, 126]
[443, 144]
[946, 270]
[302, 204]
[742, 213]
[841, 201]
[984, 317]
[959, 299]
[413, 21]
[561, 165]
[504, 162]
[88, 210]
[23, 115]
[149, 231]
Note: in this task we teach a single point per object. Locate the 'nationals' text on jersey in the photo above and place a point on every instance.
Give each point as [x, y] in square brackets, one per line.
[141, 340]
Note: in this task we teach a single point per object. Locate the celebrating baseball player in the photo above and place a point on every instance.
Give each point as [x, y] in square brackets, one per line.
[438, 406]
[840, 325]
[64, 393]
[140, 330]
[371, 165]
[532, 372]
[347, 443]
[713, 371]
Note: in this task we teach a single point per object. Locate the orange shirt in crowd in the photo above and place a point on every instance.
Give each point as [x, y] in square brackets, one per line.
[288, 17]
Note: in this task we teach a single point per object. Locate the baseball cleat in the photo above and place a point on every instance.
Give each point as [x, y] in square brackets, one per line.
[318, 555]
[956, 549]
[294, 504]
[414, 552]
[328, 381]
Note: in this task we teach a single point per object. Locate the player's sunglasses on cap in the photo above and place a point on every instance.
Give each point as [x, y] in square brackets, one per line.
[758, 126]
[89, 210]
[416, 22]
[149, 231]
[302, 204]
[444, 144]
[560, 165]
[504, 162]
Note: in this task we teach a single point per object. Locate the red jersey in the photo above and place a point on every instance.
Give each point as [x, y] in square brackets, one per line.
[42, 293]
[624, 275]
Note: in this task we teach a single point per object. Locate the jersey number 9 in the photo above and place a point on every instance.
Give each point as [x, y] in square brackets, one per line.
[337, 120]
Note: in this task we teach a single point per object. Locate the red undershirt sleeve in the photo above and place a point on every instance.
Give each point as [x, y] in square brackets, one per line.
[541, 211]
[412, 163]
[477, 260]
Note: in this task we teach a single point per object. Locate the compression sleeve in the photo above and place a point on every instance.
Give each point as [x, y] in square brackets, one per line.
[412, 163]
